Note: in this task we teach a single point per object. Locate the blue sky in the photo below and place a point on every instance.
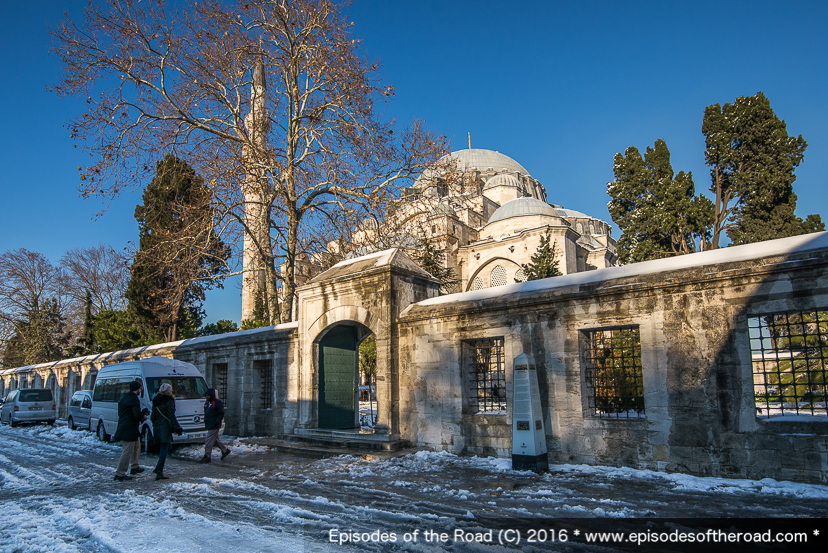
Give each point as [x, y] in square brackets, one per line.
[558, 86]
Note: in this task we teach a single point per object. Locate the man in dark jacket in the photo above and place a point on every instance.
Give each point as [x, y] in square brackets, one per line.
[128, 432]
[213, 415]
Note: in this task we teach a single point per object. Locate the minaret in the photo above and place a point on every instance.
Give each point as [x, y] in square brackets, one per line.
[256, 123]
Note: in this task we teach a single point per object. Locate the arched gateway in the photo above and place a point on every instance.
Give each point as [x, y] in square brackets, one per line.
[338, 375]
[337, 310]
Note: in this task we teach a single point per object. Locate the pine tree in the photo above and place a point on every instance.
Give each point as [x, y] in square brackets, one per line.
[86, 342]
[115, 330]
[658, 213]
[432, 260]
[260, 318]
[752, 161]
[40, 338]
[178, 256]
[543, 263]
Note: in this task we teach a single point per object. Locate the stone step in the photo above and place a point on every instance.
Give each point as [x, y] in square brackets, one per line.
[345, 439]
[285, 444]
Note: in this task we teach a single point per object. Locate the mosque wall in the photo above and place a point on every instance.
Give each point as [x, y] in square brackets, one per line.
[699, 412]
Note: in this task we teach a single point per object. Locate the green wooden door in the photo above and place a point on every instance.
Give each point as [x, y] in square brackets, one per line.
[337, 378]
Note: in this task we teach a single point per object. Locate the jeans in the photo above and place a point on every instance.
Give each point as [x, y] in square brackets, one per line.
[163, 449]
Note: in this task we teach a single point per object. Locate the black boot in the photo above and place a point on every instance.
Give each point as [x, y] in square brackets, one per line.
[205, 459]
[161, 476]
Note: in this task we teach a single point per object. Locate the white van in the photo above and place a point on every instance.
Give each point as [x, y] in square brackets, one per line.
[187, 383]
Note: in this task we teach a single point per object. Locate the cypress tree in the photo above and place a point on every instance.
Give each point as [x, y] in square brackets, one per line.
[543, 263]
[752, 161]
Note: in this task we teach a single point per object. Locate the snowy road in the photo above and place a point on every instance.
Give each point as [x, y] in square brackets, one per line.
[57, 494]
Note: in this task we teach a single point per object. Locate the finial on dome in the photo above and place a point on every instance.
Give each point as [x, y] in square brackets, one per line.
[469, 141]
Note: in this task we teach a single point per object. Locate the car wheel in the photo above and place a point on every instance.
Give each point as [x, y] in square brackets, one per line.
[71, 424]
[11, 422]
[102, 435]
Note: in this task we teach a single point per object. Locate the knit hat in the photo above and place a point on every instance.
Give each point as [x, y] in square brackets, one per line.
[134, 386]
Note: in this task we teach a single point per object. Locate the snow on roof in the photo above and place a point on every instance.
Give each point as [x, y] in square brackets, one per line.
[393, 257]
[385, 256]
[213, 337]
[142, 351]
[781, 246]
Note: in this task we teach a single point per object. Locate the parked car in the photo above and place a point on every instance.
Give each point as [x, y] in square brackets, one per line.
[29, 405]
[187, 383]
[80, 409]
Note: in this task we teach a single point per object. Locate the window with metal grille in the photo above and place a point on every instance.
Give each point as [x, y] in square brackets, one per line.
[487, 373]
[498, 276]
[788, 354]
[265, 369]
[478, 284]
[613, 372]
[220, 380]
[520, 275]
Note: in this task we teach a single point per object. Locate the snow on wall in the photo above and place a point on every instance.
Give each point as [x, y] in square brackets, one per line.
[781, 246]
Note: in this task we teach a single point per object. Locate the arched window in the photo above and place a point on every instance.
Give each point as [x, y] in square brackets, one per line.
[478, 284]
[520, 276]
[498, 276]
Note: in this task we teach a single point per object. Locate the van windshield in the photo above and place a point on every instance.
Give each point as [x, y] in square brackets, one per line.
[35, 395]
[184, 387]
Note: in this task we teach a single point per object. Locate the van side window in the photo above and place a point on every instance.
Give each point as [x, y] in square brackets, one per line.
[87, 403]
[111, 389]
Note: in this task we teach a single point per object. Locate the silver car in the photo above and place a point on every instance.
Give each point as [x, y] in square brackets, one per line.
[80, 406]
[28, 405]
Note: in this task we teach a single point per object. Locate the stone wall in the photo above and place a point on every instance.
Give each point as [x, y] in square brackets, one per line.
[695, 352]
[245, 355]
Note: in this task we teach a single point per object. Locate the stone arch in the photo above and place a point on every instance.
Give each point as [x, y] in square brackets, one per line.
[343, 313]
[366, 323]
[485, 266]
[336, 374]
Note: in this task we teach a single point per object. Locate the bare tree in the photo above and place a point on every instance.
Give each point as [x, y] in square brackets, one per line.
[100, 270]
[29, 286]
[269, 101]
[27, 281]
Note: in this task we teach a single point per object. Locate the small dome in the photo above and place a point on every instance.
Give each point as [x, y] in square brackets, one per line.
[572, 214]
[522, 207]
[502, 180]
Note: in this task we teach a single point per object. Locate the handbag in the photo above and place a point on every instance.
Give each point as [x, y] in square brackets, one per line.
[172, 439]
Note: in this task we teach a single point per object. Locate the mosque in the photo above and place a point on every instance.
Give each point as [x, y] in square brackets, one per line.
[488, 215]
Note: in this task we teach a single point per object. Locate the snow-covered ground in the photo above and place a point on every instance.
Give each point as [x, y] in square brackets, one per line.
[57, 494]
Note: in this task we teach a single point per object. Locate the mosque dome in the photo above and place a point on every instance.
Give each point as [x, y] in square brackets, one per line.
[502, 180]
[523, 207]
[481, 160]
[467, 161]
